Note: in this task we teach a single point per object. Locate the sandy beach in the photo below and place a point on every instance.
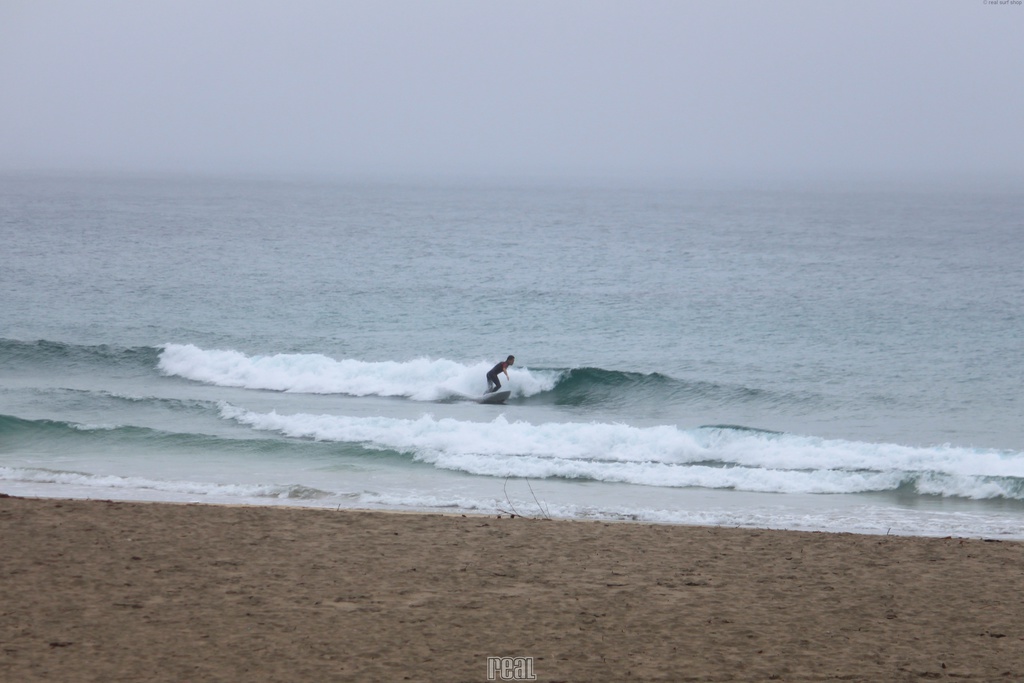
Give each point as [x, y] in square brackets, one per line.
[114, 591]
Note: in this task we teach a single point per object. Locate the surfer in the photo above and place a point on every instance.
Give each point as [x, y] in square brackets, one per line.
[493, 384]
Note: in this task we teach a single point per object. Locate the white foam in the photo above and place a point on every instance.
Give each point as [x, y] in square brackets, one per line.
[420, 379]
[663, 456]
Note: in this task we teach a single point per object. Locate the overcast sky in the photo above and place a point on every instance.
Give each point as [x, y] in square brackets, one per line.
[702, 88]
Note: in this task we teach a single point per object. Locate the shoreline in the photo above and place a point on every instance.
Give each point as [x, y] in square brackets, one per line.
[112, 590]
[938, 521]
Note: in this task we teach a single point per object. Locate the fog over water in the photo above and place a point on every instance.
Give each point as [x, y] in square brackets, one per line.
[694, 90]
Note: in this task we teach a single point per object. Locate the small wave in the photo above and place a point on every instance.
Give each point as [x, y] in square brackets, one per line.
[665, 456]
[13, 428]
[34, 475]
[56, 436]
[94, 399]
[20, 433]
[582, 387]
[16, 429]
[589, 386]
[19, 355]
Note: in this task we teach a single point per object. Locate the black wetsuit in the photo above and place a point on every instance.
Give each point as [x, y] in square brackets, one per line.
[493, 384]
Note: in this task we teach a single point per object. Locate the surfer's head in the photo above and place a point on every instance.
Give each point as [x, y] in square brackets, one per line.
[510, 360]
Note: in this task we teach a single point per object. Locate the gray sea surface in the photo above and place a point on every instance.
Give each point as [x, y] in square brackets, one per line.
[843, 359]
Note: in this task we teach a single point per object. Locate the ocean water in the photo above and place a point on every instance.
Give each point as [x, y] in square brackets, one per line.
[839, 360]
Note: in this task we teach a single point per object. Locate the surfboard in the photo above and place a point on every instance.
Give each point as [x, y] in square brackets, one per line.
[495, 397]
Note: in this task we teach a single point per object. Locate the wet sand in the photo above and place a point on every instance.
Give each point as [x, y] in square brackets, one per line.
[111, 591]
